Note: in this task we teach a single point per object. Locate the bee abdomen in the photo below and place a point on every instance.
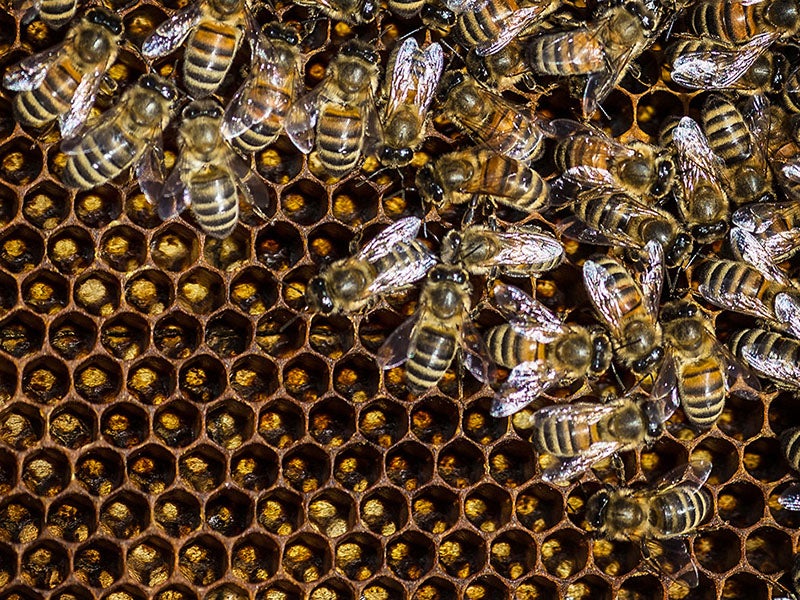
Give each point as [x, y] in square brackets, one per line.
[406, 9]
[433, 351]
[215, 204]
[339, 140]
[508, 348]
[209, 54]
[477, 27]
[255, 138]
[92, 165]
[58, 13]
[703, 391]
[680, 510]
[51, 98]
[726, 130]
[557, 54]
[790, 443]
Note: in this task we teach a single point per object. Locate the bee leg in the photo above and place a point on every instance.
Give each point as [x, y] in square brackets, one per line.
[618, 466]
[469, 215]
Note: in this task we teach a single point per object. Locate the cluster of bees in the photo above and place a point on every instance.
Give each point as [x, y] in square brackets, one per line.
[716, 199]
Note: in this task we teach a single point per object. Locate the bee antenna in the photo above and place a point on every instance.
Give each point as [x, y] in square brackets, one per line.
[616, 375]
[289, 323]
[453, 54]
[410, 33]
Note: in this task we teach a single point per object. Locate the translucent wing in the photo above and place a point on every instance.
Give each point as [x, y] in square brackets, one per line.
[526, 382]
[772, 366]
[429, 71]
[302, 119]
[171, 33]
[462, 6]
[476, 355]
[174, 198]
[696, 157]
[652, 278]
[402, 231]
[81, 104]
[752, 251]
[250, 184]
[150, 174]
[790, 497]
[29, 72]
[575, 229]
[401, 274]
[739, 379]
[601, 83]
[394, 351]
[571, 467]
[521, 247]
[512, 26]
[567, 129]
[600, 287]
[671, 557]
[665, 388]
[694, 473]
[759, 217]
[372, 130]
[735, 301]
[590, 413]
[527, 316]
[787, 312]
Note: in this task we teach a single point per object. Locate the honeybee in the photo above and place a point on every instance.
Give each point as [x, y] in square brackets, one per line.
[769, 354]
[504, 69]
[523, 251]
[698, 370]
[605, 214]
[791, 91]
[581, 434]
[629, 309]
[56, 13]
[215, 30]
[127, 134]
[354, 12]
[790, 444]
[702, 203]
[790, 500]
[428, 342]
[62, 82]
[639, 168]
[491, 119]
[487, 27]
[739, 21]
[208, 174]
[657, 516]
[386, 265]
[541, 350]
[776, 225]
[254, 116]
[463, 176]
[753, 286]
[339, 114]
[411, 82]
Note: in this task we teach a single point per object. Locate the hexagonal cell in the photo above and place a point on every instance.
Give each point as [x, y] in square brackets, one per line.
[488, 508]
[383, 588]
[717, 550]
[230, 424]
[280, 333]
[21, 162]
[228, 334]
[203, 468]
[435, 587]
[410, 556]
[21, 426]
[304, 202]
[44, 566]
[663, 456]
[8, 292]
[741, 504]
[409, 465]
[9, 202]
[513, 554]
[564, 553]
[356, 379]
[279, 246]
[150, 561]
[331, 336]
[228, 512]
[281, 423]
[254, 378]
[151, 380]
[384, 511]
[280, 162]
[125, 336]
[72, 518]
[253, 291]
[461, 464]
[615, 558]
[175, 248]
[328, 243]
[97, 293]
[177, 513]
[254, 467]
[72, 335]
[745, 586]
[73, 425]
[45, 380]
[140, 210]
[46, 472]
[589, 588]
[307, 558]
[485, 587]
[97, 564]
[306, 467]
[723, 457]
[763, 460]
[376, 327]
[332, 422]
[512, 463]
[228, 254]
[293, 287]
[434, 420]
[151, 468]
[768, 550]
[739, 421]
[100, 471]
[43, 206]
[177, 335]
[72, 592]
[45, 292]
[462, 554]
[200, 291]
[280, 512]
[150, 292]
[254, 558]
[123, 249]
[383, 422]
[202, 379]
[99, 206]
[332, 588]
[280, 590]
[177, 423]
[126, 591]
[8, 380]
[537, 588]
[641, 587]
[358, 556]
[306, 378]
[435, 509]
[355, 203]
[71, 250]
[20, 593]
[125, 425]
[783, 516]
[653, 109]
[8, 472]
[98, 380]
[21, 333]
[357, 467]
[203, 560]
[21, 519]
[332, 513]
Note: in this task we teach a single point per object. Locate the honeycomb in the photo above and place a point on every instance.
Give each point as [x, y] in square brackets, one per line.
[175, 425]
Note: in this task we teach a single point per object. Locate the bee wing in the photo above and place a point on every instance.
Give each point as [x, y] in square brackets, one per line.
[372, 130]
[601, 83]
[415, 70]
[586, 182]
[575, 229]
[665, 387]
[402, 231]
[574, 466]
[476, 355]
[787, 312]
[758, 217]
[150, 174]
[652, 278]
[73, 145]
[720, 69]
[694, 473]
[400, 275]
[752, 251]
[174, 197]
[771, 366]
[26, 10]
[671, 557]
[82, 102]
[527, 316]
[250, 184]
[171, 33]
[598, 282]
[28, 73]
[394, 351]
[739, 379]
[301, 119]
[790, 497]
[567, 129]
[462, 6]
[525, 383]
[512, 26]
[526, 247]
[756, 115]
[696, 157]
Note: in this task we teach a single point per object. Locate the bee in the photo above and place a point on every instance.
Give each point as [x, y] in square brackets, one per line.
[605, 214]
[739, 21]
[629, 308]
[541, 350]
[504, 69]
[488, 27]
[386, 265]
[411, 82]
[702, 201]
[429, 341]
[208, 174]
[698, 370]
[790, 444]
[354, 12]
[127, 134]
[753, 286]
[770, 354]
[254, 117]
[581, 434]
[62, 82]
[522, 251]
[776, 225]
[491, 119]
[215, 30]
[658, 517]
[640, 169]
[56, 13]
[791, 91]
[339, 114]
[461, 177]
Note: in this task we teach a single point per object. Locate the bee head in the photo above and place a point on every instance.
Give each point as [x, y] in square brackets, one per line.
[679, 250]
[279, 31]
[596, 509]
[436, 16]
[161, 86]
[105, 18]
[358, 49]
[653, 419]
[783, 14]
[368, 11]
[396, 157]
[682, 309]
[318, 297]
[205, 107]
[449, 81]
[601, 352]
[649, 360]
[428, 185]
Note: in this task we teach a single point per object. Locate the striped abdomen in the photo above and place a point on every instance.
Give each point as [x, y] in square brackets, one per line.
[406, 9]
[702, 390]
[565, 436]
[51, 98]
[215, 202]
[612, 214]
[790, 444]
[575, 53]
[510, 132]
[102, 155]
[724, 280]
[512, 182]
[431, 351]
[477, 27]
[509, 348]
[339, 138]
[401, 254]
[729, 20]
[780, 353]
[263, 97]
[58, 13]
[726, 130]
[209, 54]
[679, 510]
[582, 150]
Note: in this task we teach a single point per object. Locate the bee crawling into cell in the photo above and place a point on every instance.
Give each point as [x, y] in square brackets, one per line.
[56, 13]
